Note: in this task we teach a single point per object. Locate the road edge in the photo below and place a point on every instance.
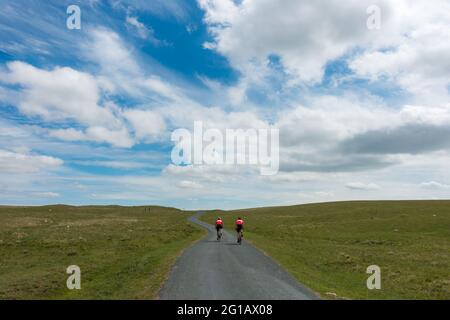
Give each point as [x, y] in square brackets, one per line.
[177, 257]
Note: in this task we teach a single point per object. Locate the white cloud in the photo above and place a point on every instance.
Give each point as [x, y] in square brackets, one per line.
[304, 34]
[184, 115]
[119, 138]
[324, 194]
[327, 119]
[113, 164]
[146, 124]
[143, 31]
[417, 58]
[348, 133]
[69, 134]
[106, 48]
[425, 115]
[45, 194]
[187, 184]
[362, 186]
[433, 185]
[58, 94]
[209, 174]
[163, 89]
[65, 94]
[120, 69]
[13, 162]
[410, 49]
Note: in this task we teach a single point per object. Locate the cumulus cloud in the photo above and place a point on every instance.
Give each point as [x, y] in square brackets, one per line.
[304, 34]
[410, 49]
[416, 58]
[327, 119]
[13, 162]
[339, 134]
[118, 138]
[146, 124]
[63, 94]
[58, 94]
[66, 94]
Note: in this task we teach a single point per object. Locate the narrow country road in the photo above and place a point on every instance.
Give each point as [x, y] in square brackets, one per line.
[224, 270]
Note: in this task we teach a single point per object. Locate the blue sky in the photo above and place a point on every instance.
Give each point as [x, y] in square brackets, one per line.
[86, 115]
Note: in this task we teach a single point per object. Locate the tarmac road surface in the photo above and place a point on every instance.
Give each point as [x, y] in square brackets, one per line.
[213, 270]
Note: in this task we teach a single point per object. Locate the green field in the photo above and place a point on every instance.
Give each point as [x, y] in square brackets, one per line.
[123, 252]
[127, 252]
[328, 246]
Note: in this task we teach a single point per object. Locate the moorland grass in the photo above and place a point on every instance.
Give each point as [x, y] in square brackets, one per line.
[123, 252]
[328, 246]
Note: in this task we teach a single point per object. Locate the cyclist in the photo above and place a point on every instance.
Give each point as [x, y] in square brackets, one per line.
[219, 227]
[239, 228]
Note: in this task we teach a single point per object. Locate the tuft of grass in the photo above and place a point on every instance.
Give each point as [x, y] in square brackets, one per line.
[329, 246]
[123, 252]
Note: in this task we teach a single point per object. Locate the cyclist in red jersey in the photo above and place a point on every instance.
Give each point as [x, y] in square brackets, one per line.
[239, 228]
[219, 227]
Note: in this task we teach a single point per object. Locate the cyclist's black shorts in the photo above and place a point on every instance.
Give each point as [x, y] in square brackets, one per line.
[239, 228]
[218, 226]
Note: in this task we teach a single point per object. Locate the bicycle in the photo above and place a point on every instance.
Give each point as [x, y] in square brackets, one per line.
[240, 236]
[219, 234]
